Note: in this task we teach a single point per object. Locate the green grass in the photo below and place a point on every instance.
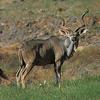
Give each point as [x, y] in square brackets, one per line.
[83, 89]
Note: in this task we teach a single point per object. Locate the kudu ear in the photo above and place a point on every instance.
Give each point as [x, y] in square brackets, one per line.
[82, 29]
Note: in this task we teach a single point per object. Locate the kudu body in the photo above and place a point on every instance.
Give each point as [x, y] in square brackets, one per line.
[54, 50]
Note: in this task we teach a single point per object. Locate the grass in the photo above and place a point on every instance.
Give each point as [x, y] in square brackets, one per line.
[83, 89]
[32, 9]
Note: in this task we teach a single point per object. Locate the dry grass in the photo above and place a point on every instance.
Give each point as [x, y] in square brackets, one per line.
[83, 63]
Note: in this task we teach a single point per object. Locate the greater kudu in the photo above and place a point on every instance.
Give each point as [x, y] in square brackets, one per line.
[53, 50]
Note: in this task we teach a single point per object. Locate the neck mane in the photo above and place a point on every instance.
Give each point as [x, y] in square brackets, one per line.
[69, 46]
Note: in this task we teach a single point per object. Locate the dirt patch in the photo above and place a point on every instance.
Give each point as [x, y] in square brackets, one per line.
[10, 49]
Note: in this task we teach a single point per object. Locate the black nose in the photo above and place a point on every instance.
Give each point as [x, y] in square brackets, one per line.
[73, 39]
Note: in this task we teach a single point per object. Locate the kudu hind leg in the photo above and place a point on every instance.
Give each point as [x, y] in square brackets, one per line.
[18, 75]
[24, 73]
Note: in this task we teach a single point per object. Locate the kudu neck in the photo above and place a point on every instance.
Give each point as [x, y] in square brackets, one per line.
[69, 47]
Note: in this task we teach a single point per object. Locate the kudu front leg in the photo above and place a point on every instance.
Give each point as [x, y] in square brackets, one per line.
[24, 73]
[57, 68]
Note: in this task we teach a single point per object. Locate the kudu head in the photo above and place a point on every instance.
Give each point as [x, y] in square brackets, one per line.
[80, 30]
[71, 41]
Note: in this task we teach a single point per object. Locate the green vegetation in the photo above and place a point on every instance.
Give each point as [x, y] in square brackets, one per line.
[83, 89]
[32, 9]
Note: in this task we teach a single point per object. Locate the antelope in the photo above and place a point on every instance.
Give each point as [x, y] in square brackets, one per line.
[54, 50]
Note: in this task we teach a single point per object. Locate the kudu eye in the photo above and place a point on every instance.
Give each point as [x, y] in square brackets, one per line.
[82, 30]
